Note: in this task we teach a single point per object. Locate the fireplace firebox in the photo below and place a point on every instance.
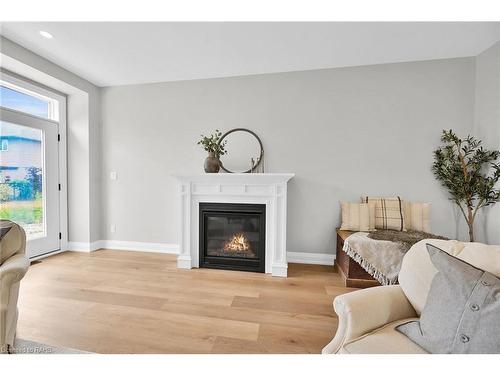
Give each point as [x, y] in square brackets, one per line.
[232, 236]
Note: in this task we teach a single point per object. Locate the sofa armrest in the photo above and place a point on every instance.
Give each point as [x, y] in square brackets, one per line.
[13, 270]
[365, 310]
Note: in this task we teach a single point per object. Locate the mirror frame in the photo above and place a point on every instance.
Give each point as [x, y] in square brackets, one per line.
[260, 144]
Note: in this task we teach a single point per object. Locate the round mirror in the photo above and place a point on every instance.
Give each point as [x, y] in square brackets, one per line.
[242, 145]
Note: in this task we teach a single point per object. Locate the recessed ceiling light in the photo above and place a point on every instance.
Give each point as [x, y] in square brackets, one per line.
[45, 34]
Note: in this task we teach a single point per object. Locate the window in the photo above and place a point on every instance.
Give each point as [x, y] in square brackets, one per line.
[32, 172]
[23, 100]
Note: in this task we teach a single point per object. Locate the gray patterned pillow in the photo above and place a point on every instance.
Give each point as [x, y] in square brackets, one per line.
[462, 312]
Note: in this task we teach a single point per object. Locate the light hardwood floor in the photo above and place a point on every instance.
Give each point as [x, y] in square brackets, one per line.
[130, 302]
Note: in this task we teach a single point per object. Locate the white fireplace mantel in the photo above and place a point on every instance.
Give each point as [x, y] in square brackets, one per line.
[259, 188]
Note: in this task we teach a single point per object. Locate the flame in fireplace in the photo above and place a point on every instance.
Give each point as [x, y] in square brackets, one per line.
[237, 243]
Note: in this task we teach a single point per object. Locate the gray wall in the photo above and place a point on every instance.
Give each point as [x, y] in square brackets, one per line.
[487, 128]
[343, 132]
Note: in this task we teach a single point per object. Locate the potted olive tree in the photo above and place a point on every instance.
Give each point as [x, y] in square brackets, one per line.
[469, 173]
[215, 149]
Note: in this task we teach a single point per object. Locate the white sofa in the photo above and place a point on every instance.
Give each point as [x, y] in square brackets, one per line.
[368, 317]
[13, 266]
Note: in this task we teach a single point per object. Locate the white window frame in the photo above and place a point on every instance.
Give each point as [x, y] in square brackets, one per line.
[57, 114]
[27, 87]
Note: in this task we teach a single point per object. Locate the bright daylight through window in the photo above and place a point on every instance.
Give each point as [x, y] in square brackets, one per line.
[22, 161]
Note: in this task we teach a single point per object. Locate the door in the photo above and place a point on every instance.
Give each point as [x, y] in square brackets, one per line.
[29, 168]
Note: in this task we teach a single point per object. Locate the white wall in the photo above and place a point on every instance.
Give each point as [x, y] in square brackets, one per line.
[344, 132]
[487, 128]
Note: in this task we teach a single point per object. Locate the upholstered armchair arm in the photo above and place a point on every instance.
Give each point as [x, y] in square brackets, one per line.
[364, 310]
[13, 270]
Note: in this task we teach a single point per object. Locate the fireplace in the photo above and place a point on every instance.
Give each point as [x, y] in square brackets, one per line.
[232, 236]
[269, 189]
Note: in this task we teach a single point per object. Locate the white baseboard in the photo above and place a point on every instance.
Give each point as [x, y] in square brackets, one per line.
[38, 257]
[279, 269]
[152, 247]
[311, 258]
[83, 247]
[149, 247]
[184, 261]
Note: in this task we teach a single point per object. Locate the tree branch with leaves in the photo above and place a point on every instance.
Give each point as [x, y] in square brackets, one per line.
[213, 144]
[469, 173]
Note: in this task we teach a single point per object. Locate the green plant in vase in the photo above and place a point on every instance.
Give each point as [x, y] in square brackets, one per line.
[215, 149]
[469, 173]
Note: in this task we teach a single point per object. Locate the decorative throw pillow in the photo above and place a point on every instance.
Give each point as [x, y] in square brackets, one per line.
[462, 312]
[388, 212]
[417, 216]
[358, 217]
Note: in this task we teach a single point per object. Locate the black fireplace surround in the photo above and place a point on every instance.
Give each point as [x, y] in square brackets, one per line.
[233, 236]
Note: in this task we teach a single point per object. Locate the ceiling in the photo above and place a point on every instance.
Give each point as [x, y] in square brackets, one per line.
[111, 53]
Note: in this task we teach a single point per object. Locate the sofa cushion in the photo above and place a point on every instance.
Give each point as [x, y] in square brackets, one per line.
[384, 340]
[417, 270]
[462, 313]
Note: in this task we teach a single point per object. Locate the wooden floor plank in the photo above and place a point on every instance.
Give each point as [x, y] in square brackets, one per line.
[134, 302]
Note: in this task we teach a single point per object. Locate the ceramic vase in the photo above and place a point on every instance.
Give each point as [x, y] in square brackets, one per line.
[212, 163]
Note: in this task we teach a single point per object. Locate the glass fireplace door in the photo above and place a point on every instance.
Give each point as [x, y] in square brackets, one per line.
[232, 236]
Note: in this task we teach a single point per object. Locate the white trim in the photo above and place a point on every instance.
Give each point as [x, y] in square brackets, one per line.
[279, 269]
[38, 257]
[84, 247]
[58, 106]
[165, 248]
[311, 258]
[251, 188]
[63, 174]
[184, 261]
[235, 179]
[148, 247]
[35, 89]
